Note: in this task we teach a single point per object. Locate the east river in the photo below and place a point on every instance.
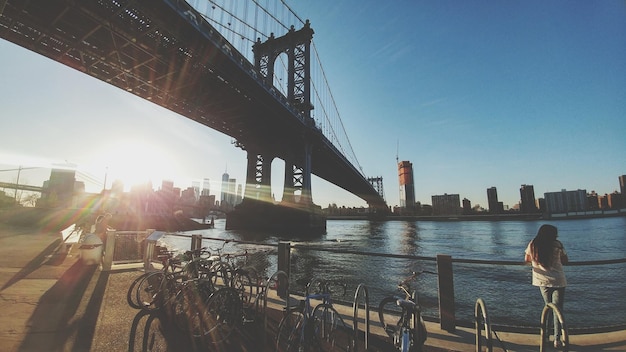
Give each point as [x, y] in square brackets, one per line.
[595, 296]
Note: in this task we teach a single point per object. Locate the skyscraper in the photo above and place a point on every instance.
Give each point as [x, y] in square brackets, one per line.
[528, 204]
[407, 187]
[206, 187]
[492, 199]
[224, 195]
[622, 185]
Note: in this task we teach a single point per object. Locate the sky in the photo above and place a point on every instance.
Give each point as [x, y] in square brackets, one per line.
[475, 94]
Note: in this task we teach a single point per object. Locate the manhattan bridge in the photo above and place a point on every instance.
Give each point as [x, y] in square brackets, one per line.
[248, 69]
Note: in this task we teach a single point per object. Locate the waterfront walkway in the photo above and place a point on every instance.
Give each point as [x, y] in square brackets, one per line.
[51, 301]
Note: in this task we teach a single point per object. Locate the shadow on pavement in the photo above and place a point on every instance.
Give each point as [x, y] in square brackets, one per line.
[32, 265]
[56, 318]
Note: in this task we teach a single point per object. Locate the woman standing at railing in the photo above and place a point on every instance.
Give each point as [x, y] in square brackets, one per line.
[547, 256]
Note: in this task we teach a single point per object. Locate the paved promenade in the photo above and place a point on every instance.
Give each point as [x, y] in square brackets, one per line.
[51, 301]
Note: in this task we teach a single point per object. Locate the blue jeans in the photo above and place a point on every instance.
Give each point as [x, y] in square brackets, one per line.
[554, 295]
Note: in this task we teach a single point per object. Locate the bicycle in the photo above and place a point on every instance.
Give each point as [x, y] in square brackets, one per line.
[321, 328]
[409, 332]
[213, 318]
[143, 292]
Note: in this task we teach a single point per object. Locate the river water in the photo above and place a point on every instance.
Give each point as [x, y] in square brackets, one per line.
[595, 296]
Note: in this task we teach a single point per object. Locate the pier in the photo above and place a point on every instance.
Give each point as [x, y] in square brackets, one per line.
[51, 301]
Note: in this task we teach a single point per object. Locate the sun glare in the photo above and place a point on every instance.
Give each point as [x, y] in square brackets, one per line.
[136, 162]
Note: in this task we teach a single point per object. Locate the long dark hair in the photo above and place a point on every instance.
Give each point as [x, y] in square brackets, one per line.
[542, 246]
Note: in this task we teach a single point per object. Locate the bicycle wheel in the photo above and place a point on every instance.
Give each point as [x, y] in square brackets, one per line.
[221, 273]
[189, 311]
[150, 291]
[225, 314]
[331, 332]
[131, 295]
[290, 332]
[243, 284]
[388, 311]
[154, 291]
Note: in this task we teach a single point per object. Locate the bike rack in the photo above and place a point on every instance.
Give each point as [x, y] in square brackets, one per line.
[277, 275]
[480, 315]
[355, 307]
[544, 321]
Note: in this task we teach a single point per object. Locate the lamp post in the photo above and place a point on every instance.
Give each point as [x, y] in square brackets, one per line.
[17, 181]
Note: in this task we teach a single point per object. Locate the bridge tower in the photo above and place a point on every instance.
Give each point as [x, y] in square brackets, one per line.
[297, 46]
[296, 211]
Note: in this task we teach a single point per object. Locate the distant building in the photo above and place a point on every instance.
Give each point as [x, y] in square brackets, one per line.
[495, 207]
[239, 197]
[622, 184]
[615, 200]
[206, 187]
[196, 189]
[566, 201]
[593, 201]
[467, 206]
[60, 190]
[224, 195]
[528, 203]
[407, 187]
[232, 192]
[167, 186]
[446, 204]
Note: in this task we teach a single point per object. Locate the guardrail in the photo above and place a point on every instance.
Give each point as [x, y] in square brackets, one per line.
[125, 249]
[446, 293]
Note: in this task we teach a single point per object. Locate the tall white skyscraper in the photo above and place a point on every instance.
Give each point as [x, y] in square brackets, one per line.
[224, 195]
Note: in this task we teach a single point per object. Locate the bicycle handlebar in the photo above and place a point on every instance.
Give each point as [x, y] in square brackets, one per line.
[322, 286]
[405, 285]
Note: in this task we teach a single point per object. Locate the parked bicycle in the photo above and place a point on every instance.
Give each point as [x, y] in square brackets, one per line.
[311, 327]
[408, 333]
[149, 290]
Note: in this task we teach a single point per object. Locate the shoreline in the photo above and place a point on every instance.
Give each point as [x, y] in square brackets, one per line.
[498, 217]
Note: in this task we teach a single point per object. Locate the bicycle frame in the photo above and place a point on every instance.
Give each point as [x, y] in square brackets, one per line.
[309, 328]
[409, 333]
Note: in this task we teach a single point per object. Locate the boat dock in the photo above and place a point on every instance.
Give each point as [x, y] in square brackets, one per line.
[52, 301]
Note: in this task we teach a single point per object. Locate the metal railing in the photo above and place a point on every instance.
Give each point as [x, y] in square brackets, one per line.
[445, 288]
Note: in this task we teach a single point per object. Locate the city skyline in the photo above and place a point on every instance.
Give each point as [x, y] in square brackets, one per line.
[474, 96]
[233, 192]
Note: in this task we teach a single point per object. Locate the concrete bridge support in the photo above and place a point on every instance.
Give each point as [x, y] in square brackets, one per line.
[295, 216]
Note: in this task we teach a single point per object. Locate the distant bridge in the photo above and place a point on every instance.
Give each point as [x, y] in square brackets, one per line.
[20, 187]
[167, 52]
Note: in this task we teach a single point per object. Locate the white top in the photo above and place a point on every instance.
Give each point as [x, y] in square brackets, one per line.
[549, 277]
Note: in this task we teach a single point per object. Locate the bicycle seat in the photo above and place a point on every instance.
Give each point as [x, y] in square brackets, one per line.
[405, 304]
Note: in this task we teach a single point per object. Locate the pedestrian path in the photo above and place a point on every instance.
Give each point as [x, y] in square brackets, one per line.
[51, 301]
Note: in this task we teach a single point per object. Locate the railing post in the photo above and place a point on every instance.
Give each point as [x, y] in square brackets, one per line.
[196, 242]
[284, 265]
[355, 316]
[446, 292]
[149, 250]
[109, 248]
